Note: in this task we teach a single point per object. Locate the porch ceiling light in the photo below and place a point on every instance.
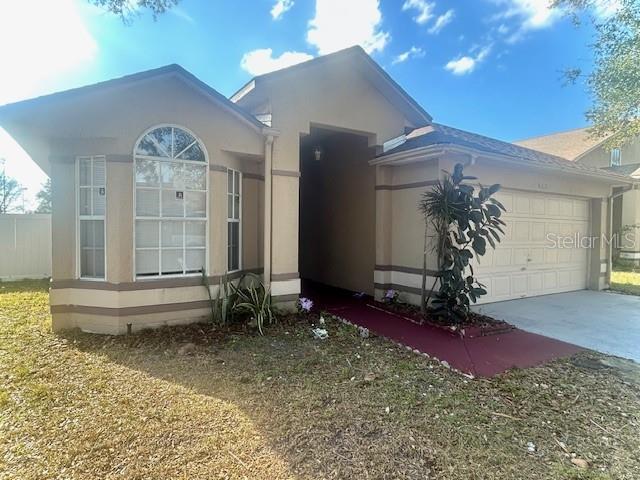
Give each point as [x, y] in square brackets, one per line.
[317, 153]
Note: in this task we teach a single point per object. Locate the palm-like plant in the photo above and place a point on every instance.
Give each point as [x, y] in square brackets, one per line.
[254, 299]
[463, 224]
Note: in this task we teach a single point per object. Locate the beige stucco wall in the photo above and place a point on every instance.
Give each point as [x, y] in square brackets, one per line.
[600, 157]
[109, 123]
[337, 215]
[400, 227]
[120, 119]
[340, 97]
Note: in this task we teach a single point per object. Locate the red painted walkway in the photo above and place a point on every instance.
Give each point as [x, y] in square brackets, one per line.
[481, 356]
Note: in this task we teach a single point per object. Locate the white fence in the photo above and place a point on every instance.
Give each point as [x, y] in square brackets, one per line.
[25, 246]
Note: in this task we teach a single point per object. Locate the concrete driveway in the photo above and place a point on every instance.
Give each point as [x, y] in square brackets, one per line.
[602, 321]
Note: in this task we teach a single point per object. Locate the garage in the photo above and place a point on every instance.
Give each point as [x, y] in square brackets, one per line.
[538, 254]
[557, 216]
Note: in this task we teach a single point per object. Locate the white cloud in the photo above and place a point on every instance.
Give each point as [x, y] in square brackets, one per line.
[467, 64]
[258, 62]
[606, 8]
[531, 14]
[280, 8]
[339, 24]
[39, 42]
[423, 7]
[442, 21]
[413, 52]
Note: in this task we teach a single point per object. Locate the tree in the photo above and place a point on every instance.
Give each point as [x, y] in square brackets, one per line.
[10, 191]
[614, 83]
[126, 9]
[464, 223]
[44, 198]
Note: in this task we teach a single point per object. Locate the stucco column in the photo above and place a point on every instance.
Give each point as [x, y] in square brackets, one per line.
[119, 222]
[217, 220]
[285, 200]
[598, 258]
[382, 274]
[63, 217]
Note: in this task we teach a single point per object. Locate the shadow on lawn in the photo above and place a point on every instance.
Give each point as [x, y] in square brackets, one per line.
[308, 398]
[321, 405]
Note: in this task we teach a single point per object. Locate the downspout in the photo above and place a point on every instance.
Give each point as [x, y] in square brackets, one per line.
[268, 188]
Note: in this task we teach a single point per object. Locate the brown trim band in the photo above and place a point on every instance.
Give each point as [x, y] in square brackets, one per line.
[253, 176]
[146, 284]
[285, 298]
[403, 186]
[280, 277]
[119, 158]
[395, 286]
[398, 268]
[217, 168]
[285, 173]
[128, 311]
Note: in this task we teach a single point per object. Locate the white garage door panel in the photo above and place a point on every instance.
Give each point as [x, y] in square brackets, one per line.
[526, 263]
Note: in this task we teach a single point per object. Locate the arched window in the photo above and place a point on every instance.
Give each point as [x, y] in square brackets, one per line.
[170, 203]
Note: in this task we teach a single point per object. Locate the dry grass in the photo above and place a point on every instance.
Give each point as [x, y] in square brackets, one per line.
[287, 406]
[626, 282]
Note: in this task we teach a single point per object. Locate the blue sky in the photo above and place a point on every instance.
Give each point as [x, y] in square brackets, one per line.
[489, 66]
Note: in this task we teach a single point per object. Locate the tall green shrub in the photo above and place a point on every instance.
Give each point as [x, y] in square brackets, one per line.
[465, 221]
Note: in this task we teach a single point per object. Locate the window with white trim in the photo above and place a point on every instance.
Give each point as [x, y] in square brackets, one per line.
[234, 229]
[91, 179]
[616, 157]
[170, 203]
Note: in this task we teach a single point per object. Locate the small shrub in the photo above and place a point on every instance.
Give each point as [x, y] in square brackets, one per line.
[255, 300]
[222, 307]
[466, 221]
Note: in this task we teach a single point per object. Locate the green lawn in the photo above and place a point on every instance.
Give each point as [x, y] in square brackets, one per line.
[626, 282]
[288, 406]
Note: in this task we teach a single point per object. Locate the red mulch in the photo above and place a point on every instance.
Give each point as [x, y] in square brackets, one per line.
[483, 356]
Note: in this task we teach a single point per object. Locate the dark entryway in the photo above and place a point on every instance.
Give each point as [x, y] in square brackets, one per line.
[337, 210]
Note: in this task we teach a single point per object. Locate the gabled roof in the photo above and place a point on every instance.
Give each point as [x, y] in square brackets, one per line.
[438, 135]
[571, 144]
[172, 69]
[630, 170]
[359, 57]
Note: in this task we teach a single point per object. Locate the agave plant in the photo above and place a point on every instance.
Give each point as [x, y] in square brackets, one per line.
[254, 299]
[222, 306]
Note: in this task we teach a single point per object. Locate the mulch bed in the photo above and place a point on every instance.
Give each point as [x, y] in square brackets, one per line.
[477, 325]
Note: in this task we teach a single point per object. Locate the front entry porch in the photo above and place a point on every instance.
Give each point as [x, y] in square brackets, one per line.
[480, 356]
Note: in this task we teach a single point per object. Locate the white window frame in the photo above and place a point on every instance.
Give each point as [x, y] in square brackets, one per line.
[615, 152]
[230, 216]
[80, 217]
[160, 218]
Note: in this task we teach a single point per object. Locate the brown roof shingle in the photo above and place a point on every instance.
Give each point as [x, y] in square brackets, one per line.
[441, 135]
[571, 144]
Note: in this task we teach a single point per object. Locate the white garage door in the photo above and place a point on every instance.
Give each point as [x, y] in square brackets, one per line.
[529, 260]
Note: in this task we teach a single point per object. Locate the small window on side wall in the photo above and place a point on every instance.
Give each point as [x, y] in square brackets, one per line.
[234, 229]
[616, 157]
[91, 190]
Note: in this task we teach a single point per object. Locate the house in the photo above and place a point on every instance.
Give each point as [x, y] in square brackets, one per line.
[582, 147]
[311, 172]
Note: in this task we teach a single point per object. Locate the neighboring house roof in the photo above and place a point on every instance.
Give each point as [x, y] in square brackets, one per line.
[172, 69]
[630, 170]
[436, 135]
[358, 56]
[571, 144]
